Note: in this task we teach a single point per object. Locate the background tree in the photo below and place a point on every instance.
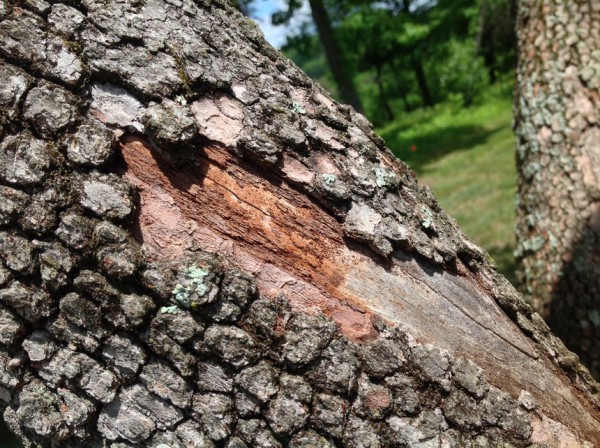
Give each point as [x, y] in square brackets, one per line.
[336, 58]
[496, 39]
[370, 33]
[558, 133]
[438, 44]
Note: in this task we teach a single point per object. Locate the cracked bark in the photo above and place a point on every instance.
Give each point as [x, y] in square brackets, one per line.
[200, 248]
[558, 160]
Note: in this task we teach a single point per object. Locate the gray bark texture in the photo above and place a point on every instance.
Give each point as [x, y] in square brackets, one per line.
[201, 249]
[557, 117]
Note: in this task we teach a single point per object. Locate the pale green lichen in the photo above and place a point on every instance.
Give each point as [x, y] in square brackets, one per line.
[329, 179]
[297, 108]
[426, 217]
[384, 178]
[554, 243]
[533, 244]
[169, 309]
[192, 284]
[531, 219]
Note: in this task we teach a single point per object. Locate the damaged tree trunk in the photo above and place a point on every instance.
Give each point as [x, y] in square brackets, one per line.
[558, 160]
[200, 248]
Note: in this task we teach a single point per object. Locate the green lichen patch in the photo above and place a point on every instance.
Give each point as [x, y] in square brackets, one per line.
[169, 309]
[196, 286]
[329, 179]
[426, 217]
[385, 178]
[297, 108]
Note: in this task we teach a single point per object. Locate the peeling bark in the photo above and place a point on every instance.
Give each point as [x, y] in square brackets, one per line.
[200, 248]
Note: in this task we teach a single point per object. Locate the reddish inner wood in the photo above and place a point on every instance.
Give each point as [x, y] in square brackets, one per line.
[293, 246]
[261, 225]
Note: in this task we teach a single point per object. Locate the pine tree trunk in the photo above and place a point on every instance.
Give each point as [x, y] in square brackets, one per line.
[558, 160]
[422, 81]
[335, 56]
[383, 97]
[200, 248]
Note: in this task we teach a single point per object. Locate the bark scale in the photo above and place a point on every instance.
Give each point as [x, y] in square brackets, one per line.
[200, 248]
[558, 159]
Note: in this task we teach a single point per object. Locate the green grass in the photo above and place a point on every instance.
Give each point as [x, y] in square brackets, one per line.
[467, 157]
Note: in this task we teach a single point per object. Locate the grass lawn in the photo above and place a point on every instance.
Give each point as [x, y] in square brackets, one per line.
[467, 157]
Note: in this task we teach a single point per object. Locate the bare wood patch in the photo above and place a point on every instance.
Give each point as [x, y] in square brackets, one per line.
[293, 246]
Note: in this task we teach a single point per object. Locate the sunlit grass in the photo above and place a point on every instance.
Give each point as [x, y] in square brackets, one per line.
[467, 157]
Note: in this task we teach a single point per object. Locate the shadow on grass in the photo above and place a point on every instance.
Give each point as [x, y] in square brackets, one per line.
[429, 146]
[7, 440]
[505, 260]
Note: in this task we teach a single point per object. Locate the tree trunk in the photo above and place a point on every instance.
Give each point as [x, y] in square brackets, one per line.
[558, 160]
[421, 81]
[383, 98]
[201, 248]
[335, 57]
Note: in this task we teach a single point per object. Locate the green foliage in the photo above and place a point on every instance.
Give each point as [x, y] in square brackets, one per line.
[495, 35]
[284, 16]
[462, 76]
[462, 46]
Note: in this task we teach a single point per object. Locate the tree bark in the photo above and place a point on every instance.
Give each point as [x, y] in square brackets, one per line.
[558, 160]
[201, 248]
[335, 56]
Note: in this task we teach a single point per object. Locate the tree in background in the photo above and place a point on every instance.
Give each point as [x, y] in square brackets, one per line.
[496, 39]
[439, 43]
[370, 33]
[557, 122]
[337, 60]
[412, 43]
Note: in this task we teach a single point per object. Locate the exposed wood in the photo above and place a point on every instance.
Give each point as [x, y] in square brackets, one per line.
[293, 247]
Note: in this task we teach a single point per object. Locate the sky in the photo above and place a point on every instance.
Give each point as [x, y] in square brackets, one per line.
[276, 35]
